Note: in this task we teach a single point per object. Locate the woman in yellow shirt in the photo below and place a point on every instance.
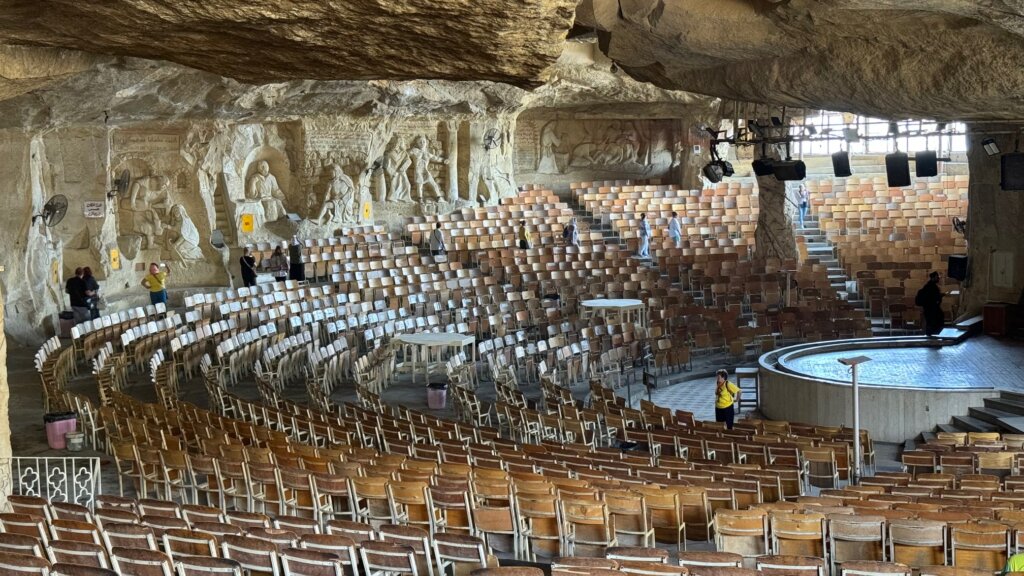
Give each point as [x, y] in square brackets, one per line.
[524, 236]
[156, 283]
[727, 395]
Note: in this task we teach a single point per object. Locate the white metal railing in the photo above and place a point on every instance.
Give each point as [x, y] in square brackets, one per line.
[74, 480]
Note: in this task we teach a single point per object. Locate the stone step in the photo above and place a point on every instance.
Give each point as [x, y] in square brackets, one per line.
[1013, 424]
[969, 424]
[989, 415]
[927, 437]
[1005, 405]
[947, 428]
[1012, 396]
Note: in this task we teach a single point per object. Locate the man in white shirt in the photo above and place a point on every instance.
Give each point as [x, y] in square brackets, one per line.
[675, 230]
[645, 237]
[437, 244]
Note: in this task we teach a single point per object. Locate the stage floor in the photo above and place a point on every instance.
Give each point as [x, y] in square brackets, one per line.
[979, 362]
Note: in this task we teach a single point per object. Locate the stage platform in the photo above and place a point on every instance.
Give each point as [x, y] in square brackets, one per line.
[910, 385]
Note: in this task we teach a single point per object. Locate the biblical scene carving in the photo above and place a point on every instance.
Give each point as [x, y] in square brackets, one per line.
[571, 147]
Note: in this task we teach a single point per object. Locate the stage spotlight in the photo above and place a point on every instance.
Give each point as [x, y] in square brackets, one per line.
[990, 146]
[776, 121]
[713, 172]
[940, 126]
[894, 129]
[811, 130]
[851, 135]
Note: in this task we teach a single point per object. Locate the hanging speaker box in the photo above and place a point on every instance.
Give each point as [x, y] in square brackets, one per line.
[790, 170]
[1012, 171]
[897, 169]
[763, 167]
[841, 164]
[926, 163]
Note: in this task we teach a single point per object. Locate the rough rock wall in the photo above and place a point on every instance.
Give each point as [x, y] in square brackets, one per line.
[995, 244]
[509, 41]
[888, 58]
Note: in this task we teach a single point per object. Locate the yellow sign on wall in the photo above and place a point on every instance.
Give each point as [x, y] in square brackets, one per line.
[55, 271]
[115, 259]
[248, 223]
[367, 210]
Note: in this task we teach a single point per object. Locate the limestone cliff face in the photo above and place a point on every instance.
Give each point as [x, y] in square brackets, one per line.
[257, 42]
[891, 58]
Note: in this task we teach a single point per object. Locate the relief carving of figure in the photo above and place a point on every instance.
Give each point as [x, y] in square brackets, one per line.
[146, 205]
[263, 188]
[182, 237]
[396, 171]
[338, 197]
[549, 143]
[422, 157]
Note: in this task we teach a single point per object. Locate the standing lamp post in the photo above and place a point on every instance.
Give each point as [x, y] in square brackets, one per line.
[853, 362]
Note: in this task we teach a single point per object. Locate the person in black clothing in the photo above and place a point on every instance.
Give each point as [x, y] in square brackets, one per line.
[92, 292]
[929, 298]
[296, 267]
[248, 265]
[75, 288]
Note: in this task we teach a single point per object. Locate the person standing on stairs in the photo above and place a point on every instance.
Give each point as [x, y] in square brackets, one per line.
[438, 247]
[675, 230]
[644, 233]
[805, 203]
[571, 233]
[525, 242]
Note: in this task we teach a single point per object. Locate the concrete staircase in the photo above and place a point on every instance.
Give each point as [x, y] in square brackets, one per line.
[1004, 413]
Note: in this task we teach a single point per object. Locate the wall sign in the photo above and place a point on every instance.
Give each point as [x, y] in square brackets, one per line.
[248, 223]
[115, 259]
[93, 209]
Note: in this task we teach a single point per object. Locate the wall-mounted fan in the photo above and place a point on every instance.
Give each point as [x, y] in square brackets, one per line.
[53, 211]
[960, 226]
[491, 139]
[120, 184]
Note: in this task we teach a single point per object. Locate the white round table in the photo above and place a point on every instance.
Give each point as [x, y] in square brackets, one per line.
[425, 342]
[619, 309]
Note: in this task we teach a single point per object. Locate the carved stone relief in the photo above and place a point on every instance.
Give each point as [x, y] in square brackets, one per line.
[581, 147]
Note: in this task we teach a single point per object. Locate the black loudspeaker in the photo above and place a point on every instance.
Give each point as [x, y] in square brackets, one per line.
[841, 164]
[790, 170]
[957, 267]
[926, 163]
[763, 167]
[897, 169]
[1012, 174]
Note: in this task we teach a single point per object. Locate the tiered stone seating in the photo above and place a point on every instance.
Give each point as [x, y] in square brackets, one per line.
[720, 219]
[889, 239]
[473, 229]
[263, 482]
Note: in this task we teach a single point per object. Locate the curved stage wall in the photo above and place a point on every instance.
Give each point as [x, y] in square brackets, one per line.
[805, 383]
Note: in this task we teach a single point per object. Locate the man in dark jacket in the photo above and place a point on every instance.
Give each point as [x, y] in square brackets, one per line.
[75, 288]
[929, 298]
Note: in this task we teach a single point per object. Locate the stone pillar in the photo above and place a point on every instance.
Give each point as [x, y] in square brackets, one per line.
[995, 244]
[774, 234]
[452, 128]
[6, 481]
